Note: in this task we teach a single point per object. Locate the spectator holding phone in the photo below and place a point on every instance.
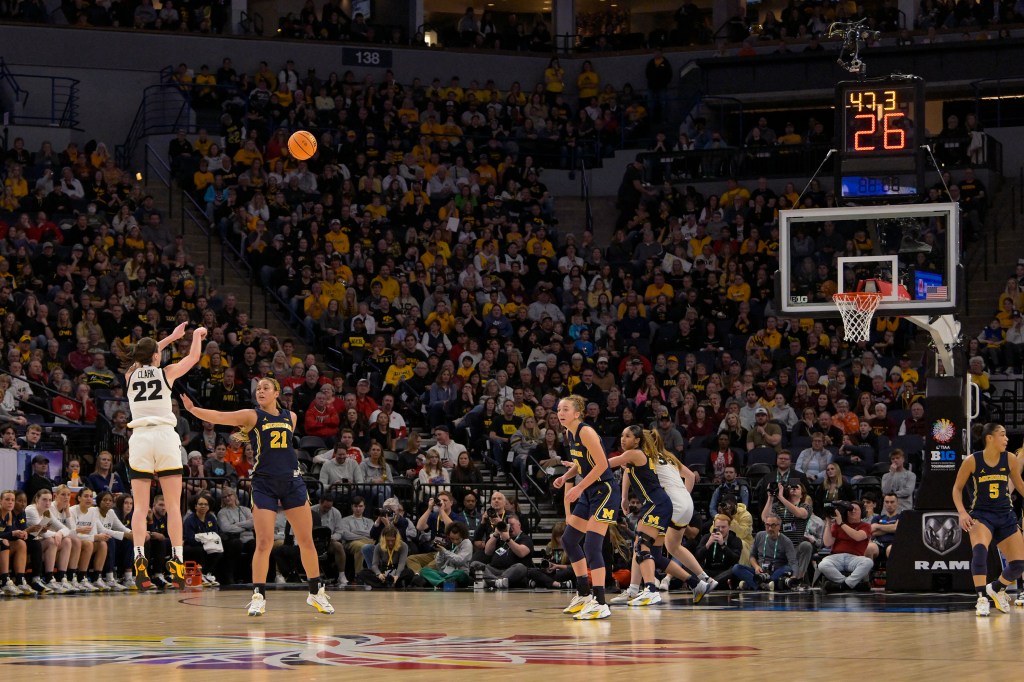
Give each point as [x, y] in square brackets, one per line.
[719, 550]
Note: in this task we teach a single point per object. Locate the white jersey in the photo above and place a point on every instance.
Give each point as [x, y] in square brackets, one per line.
[672, 482]
[149, 394]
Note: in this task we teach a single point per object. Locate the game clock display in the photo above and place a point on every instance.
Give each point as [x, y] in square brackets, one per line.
[879, 124]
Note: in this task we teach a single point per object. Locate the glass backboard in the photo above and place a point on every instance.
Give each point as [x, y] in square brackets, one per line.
[909, 254]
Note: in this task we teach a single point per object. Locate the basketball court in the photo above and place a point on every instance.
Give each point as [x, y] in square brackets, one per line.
[505, 636]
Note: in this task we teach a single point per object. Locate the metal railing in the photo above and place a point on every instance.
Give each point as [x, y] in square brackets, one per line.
[19, 94]
[57, 108]
[164, 108]
[796, 160]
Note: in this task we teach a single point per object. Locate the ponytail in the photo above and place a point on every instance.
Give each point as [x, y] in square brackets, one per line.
[138, 353]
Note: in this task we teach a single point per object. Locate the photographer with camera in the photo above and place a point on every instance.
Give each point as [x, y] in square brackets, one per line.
[389, 516]
[731, 485]
[493, 513]
[784, 473]
[432, 526]
[509, 554]
[719, 550]
[454, 554]
[848, 536]
[792, 504]
[386, 567]
[771, 560]
[554, 569]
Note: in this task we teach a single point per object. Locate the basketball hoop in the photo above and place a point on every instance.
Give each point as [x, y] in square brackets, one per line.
[857, 309]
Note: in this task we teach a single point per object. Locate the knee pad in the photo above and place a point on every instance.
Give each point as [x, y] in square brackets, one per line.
[572, 542]
[642, 548]
[979, 560]
[593, 548]
[1014, 569]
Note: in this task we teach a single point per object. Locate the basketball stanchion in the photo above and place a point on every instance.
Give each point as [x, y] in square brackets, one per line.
[857, 309]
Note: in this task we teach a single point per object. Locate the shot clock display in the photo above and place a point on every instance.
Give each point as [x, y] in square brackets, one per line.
[878, 120]
[879, 124]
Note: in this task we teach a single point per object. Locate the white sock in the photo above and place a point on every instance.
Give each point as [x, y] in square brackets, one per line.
[704, 576]
[178, 554]
[634, 589]
[140, 552]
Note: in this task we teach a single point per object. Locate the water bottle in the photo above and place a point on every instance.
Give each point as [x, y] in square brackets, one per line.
[478, 579]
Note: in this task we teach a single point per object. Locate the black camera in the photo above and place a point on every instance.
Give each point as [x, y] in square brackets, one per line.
[389, 513]
[492, 513]
[774, 489]
[501, 526]
[842, 506]
[545, 564]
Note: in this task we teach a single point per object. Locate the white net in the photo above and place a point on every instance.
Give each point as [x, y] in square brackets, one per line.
[857, 309]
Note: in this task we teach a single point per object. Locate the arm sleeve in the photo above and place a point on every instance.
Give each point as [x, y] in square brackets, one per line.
[117, 529]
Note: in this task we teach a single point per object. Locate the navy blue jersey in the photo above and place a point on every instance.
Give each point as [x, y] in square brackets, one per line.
[643, 480]
[271, 440]
[582, 457]
[991, 485]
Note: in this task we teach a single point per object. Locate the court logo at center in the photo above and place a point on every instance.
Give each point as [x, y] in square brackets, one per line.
[380, 650]
[941, 532]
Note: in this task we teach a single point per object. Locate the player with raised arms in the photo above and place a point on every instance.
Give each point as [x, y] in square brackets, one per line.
[670, 474]
[276, 481]
[154, 448]
[595, 506]
[991, 518]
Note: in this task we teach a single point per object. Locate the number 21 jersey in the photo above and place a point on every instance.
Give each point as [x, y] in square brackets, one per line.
[149, 395]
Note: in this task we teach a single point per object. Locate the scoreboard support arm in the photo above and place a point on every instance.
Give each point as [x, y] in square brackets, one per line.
[820, 166]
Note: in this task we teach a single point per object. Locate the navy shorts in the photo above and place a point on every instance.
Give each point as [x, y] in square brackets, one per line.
[600, 501]
[657, 513]
[1001, 524]
[269, 493]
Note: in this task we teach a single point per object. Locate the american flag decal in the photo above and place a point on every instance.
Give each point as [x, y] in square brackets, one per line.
[936, 293]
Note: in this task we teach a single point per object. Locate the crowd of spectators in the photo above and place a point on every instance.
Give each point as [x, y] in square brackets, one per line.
[424, 262]
[598, 31]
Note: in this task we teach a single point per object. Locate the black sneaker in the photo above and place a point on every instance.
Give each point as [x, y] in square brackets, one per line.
[832, 588]
[176, 572]
[863, 586]
[142, 580]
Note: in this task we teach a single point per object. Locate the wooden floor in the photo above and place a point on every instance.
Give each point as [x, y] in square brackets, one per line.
[505, 636]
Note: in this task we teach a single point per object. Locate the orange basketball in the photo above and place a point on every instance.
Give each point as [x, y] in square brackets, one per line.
[302, 145]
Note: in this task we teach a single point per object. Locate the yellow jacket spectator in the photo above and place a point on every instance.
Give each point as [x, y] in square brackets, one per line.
[247, 154]
[443, 317]
[202, 177]
[390, 288]
[333, 287]
[587, 83]
[315, 305]
[734, 190]
[657, 288]
[267, 75]
[546, 248]
[337, 238]
[398, 372]
[739, 290]
[554, 78]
